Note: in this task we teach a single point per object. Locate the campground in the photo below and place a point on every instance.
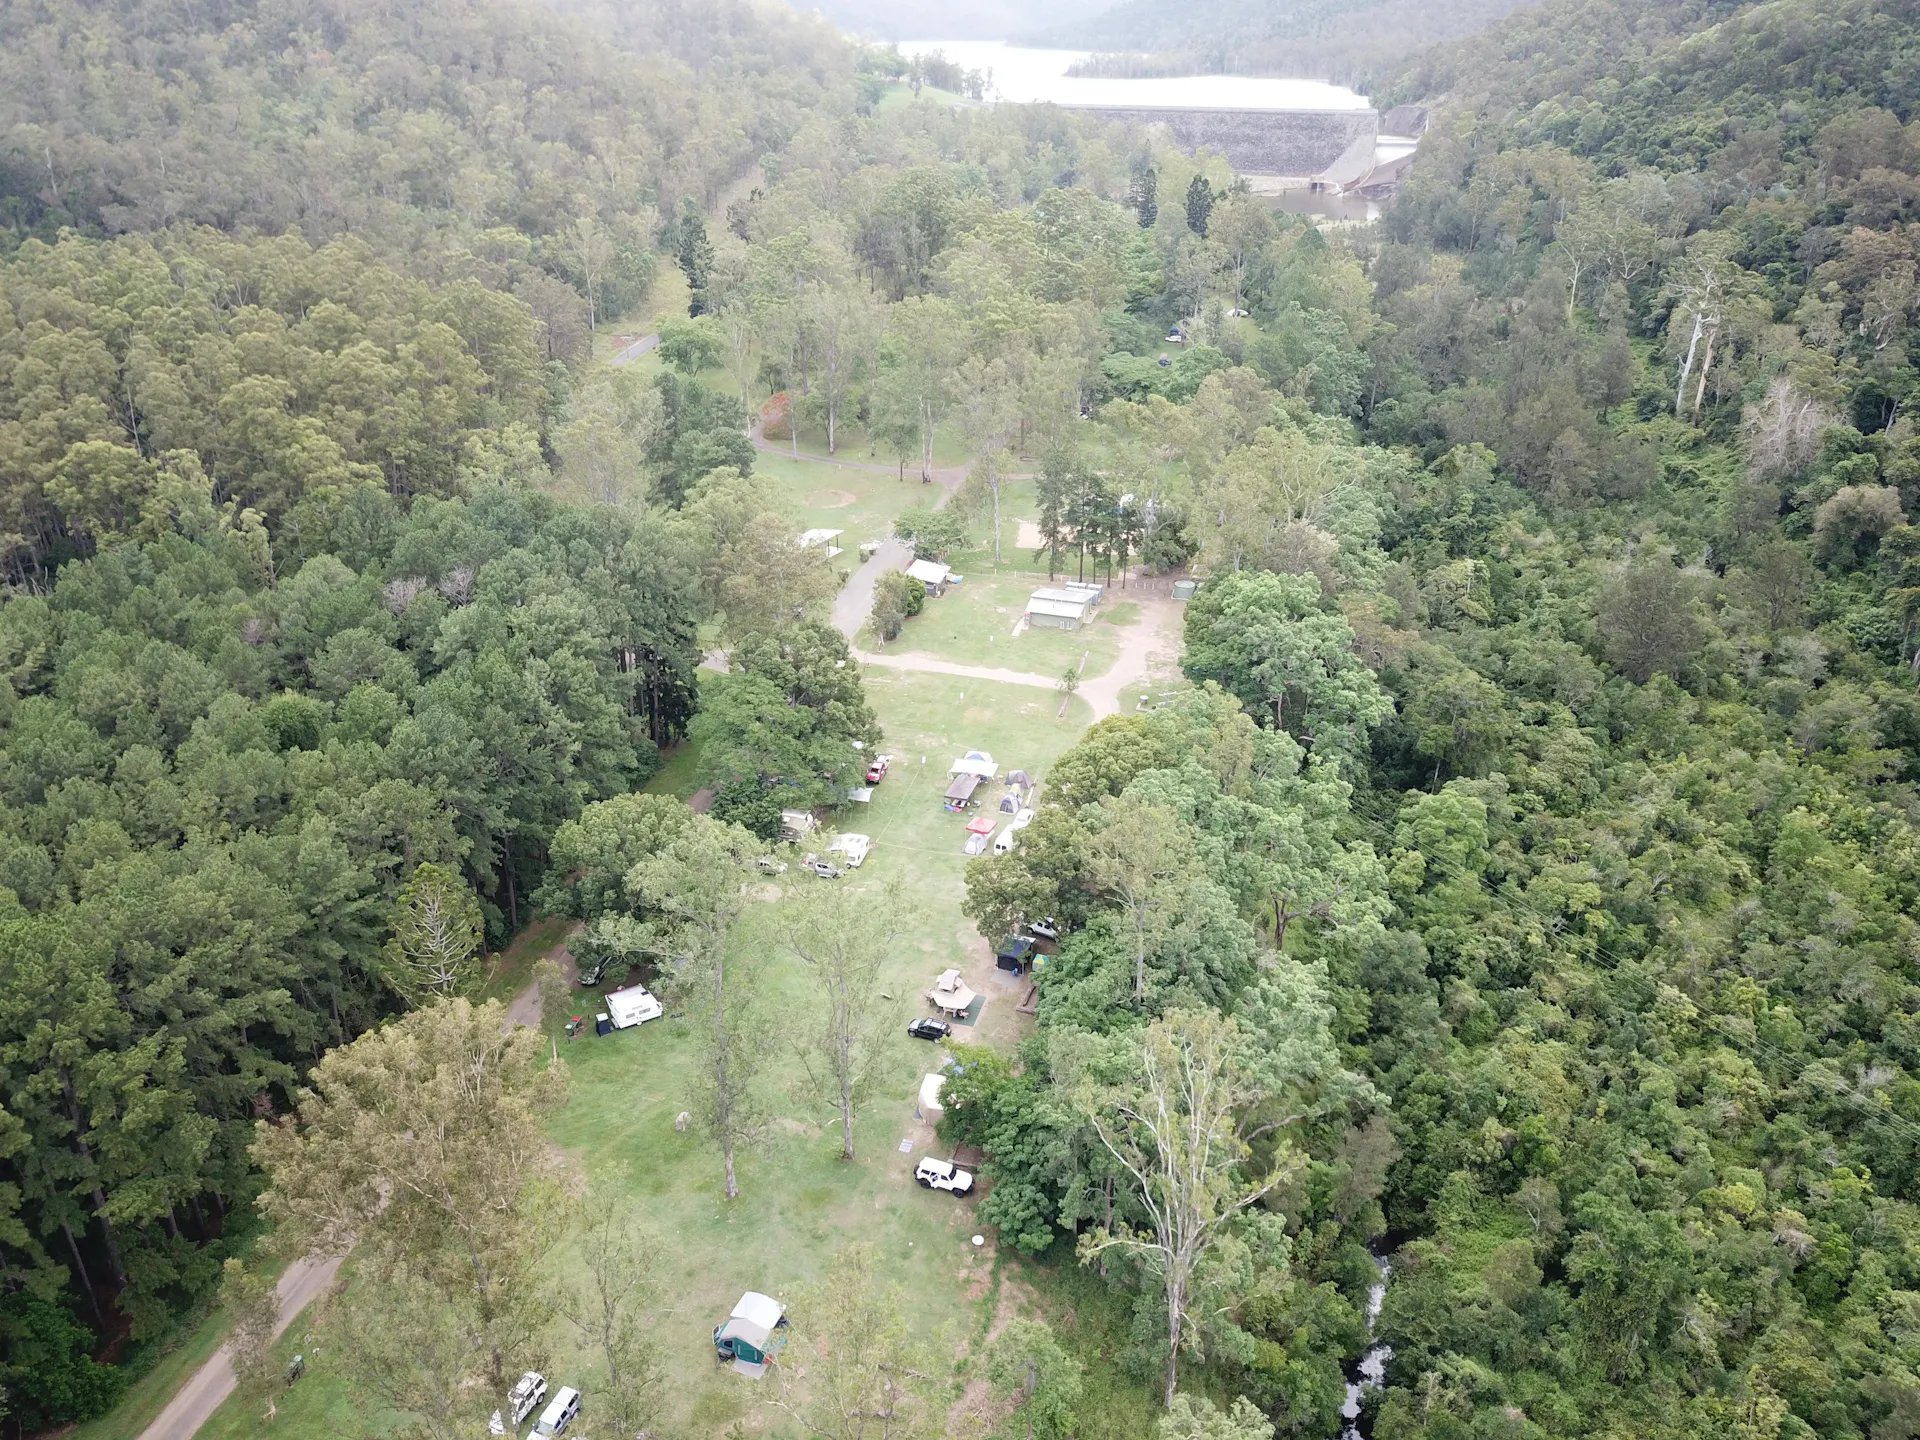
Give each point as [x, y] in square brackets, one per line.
[799, 1202]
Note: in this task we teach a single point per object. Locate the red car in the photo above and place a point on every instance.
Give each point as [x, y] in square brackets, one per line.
[877, 771]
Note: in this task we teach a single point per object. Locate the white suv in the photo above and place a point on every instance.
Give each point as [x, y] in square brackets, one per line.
[527, 1395]
[943, 1175]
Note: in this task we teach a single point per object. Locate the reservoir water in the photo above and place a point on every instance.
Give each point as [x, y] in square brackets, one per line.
[1024, 76]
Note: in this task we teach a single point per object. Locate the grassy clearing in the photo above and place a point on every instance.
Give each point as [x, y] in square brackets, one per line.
[853, 445]
[900, 95]
[862, 503]
[675, 775]
[800, 1203]
[972, 624]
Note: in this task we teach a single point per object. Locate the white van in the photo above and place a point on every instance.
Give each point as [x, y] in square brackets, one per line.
[1003, 842]
[560, 1414]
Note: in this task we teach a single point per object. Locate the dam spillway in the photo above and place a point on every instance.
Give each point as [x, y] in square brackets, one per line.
[1278, 133]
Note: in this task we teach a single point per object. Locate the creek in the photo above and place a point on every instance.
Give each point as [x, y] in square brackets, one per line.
[1369, 1372]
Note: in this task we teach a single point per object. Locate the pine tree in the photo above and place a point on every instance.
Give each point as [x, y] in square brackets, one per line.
[694, 252]
[436, 934]
[1142, 195]
[1200, 199]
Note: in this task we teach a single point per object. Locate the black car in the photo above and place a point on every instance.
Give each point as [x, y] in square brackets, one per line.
[927, 1028]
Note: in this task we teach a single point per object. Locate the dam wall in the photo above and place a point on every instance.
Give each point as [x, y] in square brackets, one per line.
[1334, 147]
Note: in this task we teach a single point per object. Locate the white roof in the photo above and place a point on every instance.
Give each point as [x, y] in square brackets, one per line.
[929, 572]
[1080, 597]
[819, 537]
[753, 1319]
[930, 1087]
[1066, 609]
[982, 766]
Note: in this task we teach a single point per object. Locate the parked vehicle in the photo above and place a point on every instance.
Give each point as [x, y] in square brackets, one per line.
[877, 771]
[825, 869]
[853, 847]
[770, 866]
[634, 1005]
[560, 1414]
[1021, 820]
[1047, 929]
[1005, 840]
[943, 1175]
[928, 1028]
[528, 1394]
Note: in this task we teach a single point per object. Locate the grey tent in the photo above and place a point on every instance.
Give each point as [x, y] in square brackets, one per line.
[1020, 777]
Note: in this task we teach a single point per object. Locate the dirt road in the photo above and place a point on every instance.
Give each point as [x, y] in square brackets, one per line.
[193, 1405]
[1149, 647]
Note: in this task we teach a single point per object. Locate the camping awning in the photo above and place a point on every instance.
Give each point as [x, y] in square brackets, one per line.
[755, 1318]
[968, 765]
[955, 1000]
[981, 825]
[963, 788]
[928, 572]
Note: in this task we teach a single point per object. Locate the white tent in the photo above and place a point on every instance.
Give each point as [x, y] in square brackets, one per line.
[974, 762]
[929, 1109]
[930, 573]
[951, 994]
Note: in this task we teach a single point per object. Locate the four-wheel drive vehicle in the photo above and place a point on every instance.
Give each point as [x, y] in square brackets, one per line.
[770, 866]
[927, 1028]
[852, 847]
[560, 1414]
[825, 869]
[943, 1175]
[527, 1394]
[877, 771]
[1047, 929]
[1021, 820]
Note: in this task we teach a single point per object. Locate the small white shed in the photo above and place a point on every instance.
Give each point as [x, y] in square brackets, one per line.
[930, 573]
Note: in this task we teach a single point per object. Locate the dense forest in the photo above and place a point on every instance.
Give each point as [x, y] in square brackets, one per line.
[1356, 44]
[1521, 895]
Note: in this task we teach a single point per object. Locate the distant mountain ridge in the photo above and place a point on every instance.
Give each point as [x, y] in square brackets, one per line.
[941, 20]
[1345, 40]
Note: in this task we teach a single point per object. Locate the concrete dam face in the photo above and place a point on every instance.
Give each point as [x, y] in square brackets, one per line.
[1332, 147]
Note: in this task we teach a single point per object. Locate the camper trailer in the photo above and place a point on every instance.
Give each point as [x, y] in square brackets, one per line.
[634, 1005]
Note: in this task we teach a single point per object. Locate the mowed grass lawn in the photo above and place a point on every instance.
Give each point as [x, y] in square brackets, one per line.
[799, 1203]
[861, 503]
[973, 624]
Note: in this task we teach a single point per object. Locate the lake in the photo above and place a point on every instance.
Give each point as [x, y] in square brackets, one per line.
[1025, 76]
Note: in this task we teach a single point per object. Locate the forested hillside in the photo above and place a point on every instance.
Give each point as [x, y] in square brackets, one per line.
[487, 141]
[1520, 894]
[1355, 44]
[1626, 548]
